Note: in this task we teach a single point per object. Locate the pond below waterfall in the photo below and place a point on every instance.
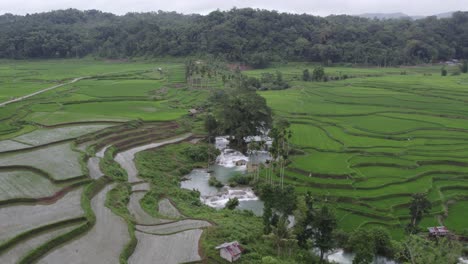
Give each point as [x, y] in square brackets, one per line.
[218, 197]
[342, 257]
[224, 169]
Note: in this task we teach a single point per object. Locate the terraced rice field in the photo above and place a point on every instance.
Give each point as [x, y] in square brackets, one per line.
[139, 214]
[15, 254]
[43, 140]
[167, 209]
[369, 143]
[155, 248]
[173, 227]
[18, 219]
[125, 159]
[45, 136]
[102, 244]
[59, 162]
[25, 184]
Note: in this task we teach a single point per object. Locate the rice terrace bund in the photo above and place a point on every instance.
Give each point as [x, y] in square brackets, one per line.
[90, 168]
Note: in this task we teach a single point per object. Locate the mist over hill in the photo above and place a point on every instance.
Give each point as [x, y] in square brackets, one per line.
[400, 15]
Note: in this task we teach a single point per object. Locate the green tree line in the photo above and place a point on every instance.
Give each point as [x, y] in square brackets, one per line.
[252, 36]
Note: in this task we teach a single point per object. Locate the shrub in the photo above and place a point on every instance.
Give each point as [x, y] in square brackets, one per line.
[240, 179]
[456, 73]
[464, 66]
[259, 60]
[232, 203]
[443, 71]
[215, 182]
[306, 75]
[318, 74]
[273, 81]
[200, 153]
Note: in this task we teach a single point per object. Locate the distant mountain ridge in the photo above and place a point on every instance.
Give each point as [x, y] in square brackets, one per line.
[400, 15]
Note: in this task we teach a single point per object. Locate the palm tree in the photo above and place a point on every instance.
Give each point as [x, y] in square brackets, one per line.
[419, 206]
[281, 235]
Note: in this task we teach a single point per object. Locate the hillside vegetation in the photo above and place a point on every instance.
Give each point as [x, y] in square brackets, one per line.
[247, 35]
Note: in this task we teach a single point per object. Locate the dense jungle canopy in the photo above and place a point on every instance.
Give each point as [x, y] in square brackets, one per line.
[252, 36]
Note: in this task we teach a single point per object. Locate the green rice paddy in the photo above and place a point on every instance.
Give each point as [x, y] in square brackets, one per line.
[368, 142]
[371, 142]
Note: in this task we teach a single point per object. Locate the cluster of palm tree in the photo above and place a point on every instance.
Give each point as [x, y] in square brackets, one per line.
[280, 149]
[200, 73]
[253, 150]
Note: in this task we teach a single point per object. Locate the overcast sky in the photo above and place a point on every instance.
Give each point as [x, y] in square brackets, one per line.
[315, 7]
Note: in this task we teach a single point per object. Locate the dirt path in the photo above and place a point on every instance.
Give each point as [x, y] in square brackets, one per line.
[102, 244]
[125, 158]
[41, 91]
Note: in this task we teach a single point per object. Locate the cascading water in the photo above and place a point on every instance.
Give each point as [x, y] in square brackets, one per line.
[229, 157]
[220, 199]
[228, 163]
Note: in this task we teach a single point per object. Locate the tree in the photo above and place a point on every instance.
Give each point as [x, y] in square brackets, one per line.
[267, 214]
[443, 71]
[367, 243]
[259, 60]
[419, 206]
[232, 203]
[323, 226]
[306, 75]
[281, 234]
[255, 37]
[304, 221]
[418, 250]
[361, 242]
[382, 241]
[241, 112]
[279, 150]
[464, 66]
[211, 126]
[318, 74]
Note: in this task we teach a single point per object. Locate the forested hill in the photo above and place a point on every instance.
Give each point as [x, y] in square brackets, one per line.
[247, 35]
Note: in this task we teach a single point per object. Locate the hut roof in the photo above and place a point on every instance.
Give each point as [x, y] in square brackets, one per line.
[232, 247]
[438, 230]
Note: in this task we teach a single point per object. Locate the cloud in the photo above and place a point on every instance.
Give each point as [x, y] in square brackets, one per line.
[413, 7]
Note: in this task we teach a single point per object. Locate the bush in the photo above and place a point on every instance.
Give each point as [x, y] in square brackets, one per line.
[215, 182]
[111, 168]
[232, 204]
[200, 153]
[240, 179]
[443, 72]
[464, 66]
[259, 60]
[273, 81]
[456, 73]
[306, 75]
[318, 74]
